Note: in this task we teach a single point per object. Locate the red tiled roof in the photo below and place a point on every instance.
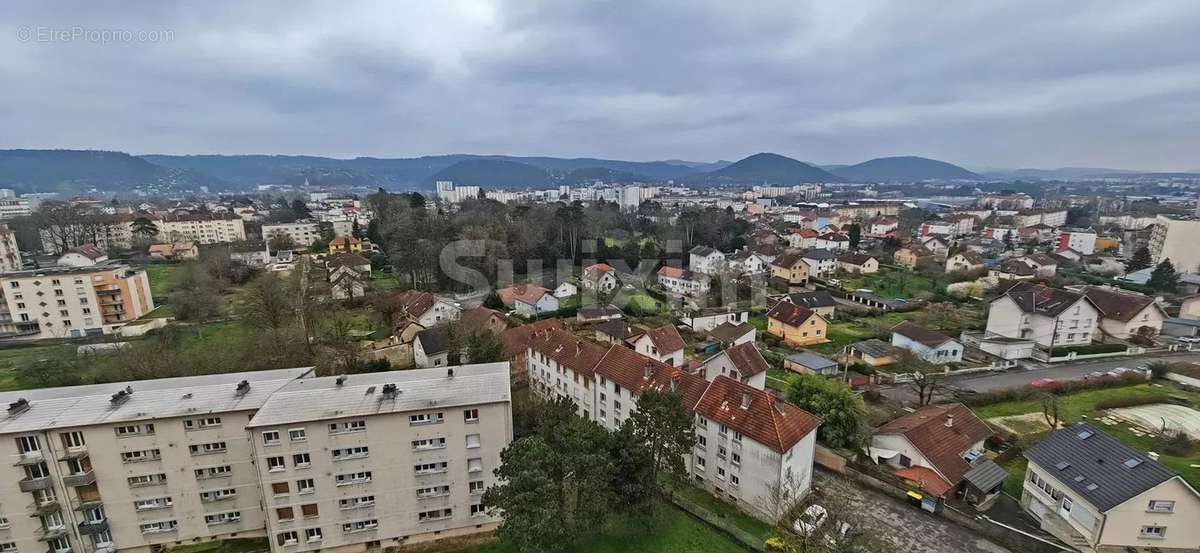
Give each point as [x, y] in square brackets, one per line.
[926, 479]
[567, 350]
[790, 314]
[516, 340]
[636, 372]
[413, 303]
[666, 338]
[527, 293]
[746, 357]
[345, 259]
[89, 251]
[597, 270]
[787, 260]
[477, 320]
[943, 446]
[755, 414]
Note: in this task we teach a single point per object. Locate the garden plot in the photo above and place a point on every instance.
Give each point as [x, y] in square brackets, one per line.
[1152, 418]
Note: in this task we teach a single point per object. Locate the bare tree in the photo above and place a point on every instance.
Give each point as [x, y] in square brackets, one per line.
[927, 378]
[1050, 410]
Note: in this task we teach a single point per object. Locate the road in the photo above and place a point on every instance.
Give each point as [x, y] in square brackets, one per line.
[987, 382]
[908, 528]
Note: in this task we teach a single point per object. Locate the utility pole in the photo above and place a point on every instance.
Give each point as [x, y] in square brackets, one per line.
[1054, 335]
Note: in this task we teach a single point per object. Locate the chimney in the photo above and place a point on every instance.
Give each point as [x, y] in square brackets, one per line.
[649, 370]
[675, 382]
[243, 388]
[578, 348]
[341, 380]
[745, 400]
[949, 420]
[450, 373]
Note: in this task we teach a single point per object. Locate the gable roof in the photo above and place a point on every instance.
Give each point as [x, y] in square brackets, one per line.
[819, 255]
[1016, 267]
[525, 293]
[346, 259]
[1041, 299]
[89, 251]
[778, 426]
[943, 446]
[703, 251]
[917, 250]
[666, 338]
[806, 233]
[616, 328]
[565, 349]
[516, 340]
[477, 319]
[597, 311]
[813, 300]
[676, 272]
[1116, 304]
[920, 334]
[728, 332]
[413, 303]
[1041, 259]
[790, 314]
[971, 256]
[434, 340]
[1093, 465]
[787, 260]
[636, 372]
[812, 360]
[597, 270]
[855, 258]
[746, 357]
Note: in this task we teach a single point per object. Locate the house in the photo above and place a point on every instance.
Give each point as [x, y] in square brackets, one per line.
[913, 255]
[882, 227]
[1049, 316]
[182, 250]
[87, 255]
[482, 320]
[422, 308]
[1092, 491]
[615, 332]
[940, 247]
[874, 352]
[1013, 269]
[821, 263]
[706, 320]
[345, 244]
[1189, 308]
[964, 261]
[939, 449]
[820, 301]
[431, 348]
[796, 325]
[790, 268]
[930, 345]
[1080, 240]
[595, 313]
[528, 300]
[1125, 314]
[742, 363]
[804, 362]
[942, 228]
[803, 239]
[565, 289]
[600, 277]
[662, 344]
[682, 281]
[833, 241]
[1069, 255]
[860, 263]
[728, 334]
[353, 261]
[706, 260]
[346, 283]
[1045, 266]
[747, 262]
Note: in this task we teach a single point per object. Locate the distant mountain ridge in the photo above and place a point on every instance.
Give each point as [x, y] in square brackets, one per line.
[904, 169]
[77, 170]
[767, 168]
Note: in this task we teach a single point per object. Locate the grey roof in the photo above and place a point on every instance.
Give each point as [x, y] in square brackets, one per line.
[811, 360]
[75, 406]
[359, 395]
[1097, 466]
[434, 341]
[1183, 322]
[819, 255]
[814, 299]
[873, 347]
[985, 475]
[703, 251]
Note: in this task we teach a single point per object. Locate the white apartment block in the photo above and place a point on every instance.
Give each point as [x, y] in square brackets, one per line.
[68, 302]
[397, 457]
[302, 234]
[1175, 239]
[204, 229]
[354, 463]
[11, 208]
[10, 254]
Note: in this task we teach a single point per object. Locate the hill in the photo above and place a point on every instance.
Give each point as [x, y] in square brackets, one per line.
[904, 169]
[493, 173]
[71, 171]
[767, 168]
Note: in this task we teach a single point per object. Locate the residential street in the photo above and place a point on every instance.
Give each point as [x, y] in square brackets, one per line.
[986, 382]
[911, 529]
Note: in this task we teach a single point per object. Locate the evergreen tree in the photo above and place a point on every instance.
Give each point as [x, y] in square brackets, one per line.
[855, 232]
[664, 425]
[1140, 260]
[1164, 278]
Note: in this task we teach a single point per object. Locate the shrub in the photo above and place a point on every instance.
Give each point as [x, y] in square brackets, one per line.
[1119, 402]
[1090, 349]
[1177, 443]
[1022, 393]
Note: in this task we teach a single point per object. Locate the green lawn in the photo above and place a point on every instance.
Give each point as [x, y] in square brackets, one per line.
[13, 355]
[1015, 468]
[727, 511]
[892, 283]
[645, 303]
[160, 275]
[1072, 407]
[670, 531]
[844, 333]
[384, 281]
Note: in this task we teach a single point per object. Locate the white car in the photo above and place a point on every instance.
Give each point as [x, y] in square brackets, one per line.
[1190, 339]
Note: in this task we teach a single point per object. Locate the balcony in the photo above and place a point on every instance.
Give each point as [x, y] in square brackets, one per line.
[80, 479]
[53, 549]
[44, 508]
[34, 484]
[53, 533]
[108, 291]
[77, 452]
[31, 458]
[92, 527]
[85, 504]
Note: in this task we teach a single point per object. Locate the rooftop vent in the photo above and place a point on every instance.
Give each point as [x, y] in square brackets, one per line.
[390, 391]
[1152, 455]
[19, 406]
[370, 390]
[121, 396]
[341, 380]
[243, 387]
[1132, 463]
[1079, 478]
[1093, 487]
[1085, 434]
[745, 400]
[1063, 465]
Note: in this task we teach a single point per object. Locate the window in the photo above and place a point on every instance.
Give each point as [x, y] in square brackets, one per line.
[478, 510]
[1154, 532]
[436, 514]
[197, 424]
[150, 504]
[733, 480]
[8, 547]
[905, 461]
[428, 443]
[475, 487]
[288, 538]
[736, 459]
[280, 488]
[147, 480]
[475, 465]
[701, 442]
[312, 535]
[270, 437]
[275, 464]
[356, 502]
[472, 441]
[433, 491]
[301, 460]
[360, 477]
[135, 430]
[737, 437]
[348, 426]
[157, 527]
[222, 518]
[297, 435]
[471, 415]
[207, 449]
[721, 452]
[723, 430]
[217, 495]
[29, 445]
[699, 462]
[141, 455]
[309, 510]
[425, 418]
[720, 473]
[213, 472]
[356, 452]
[305, 486]
[430, 468]
[359, 526]
[1161, 506]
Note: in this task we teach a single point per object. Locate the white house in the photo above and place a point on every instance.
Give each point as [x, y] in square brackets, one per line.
[423, 308]
[663, 344]
[1049, 316]
[821, 262]
[1124, 314]
[705, 321]
[600, 277]
[529, 300]
[966, 260]
[742, 362]
[431, 348]
[747, 262]
[86, 255]
[682, 281]
[565, 289]
[706, 260]
[882, 227]
[930, 345]
[1080, 240]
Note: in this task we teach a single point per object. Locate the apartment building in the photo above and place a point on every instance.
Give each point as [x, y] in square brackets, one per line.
[1174, 238]
[11, 208]
[10, 253]
[354, 463]
[132, 466]
[204, 228]
[67, 302]
[302, 234]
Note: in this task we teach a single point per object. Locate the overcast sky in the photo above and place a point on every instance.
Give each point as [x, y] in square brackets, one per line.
[983, 84]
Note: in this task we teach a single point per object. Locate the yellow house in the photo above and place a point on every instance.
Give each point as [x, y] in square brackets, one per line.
[345, 244]
[790, 268]
[796, 325]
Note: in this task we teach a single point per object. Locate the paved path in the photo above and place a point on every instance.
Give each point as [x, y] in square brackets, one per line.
[986, 382]
[912, 530]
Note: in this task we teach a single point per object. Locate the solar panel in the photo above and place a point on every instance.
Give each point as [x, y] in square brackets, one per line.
[1079, 478]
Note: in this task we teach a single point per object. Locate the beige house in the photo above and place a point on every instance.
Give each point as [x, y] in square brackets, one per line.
[912, 256]
[964, 261]
[1125, 314]
[1098, 494]
[857, 263]
[790, 268]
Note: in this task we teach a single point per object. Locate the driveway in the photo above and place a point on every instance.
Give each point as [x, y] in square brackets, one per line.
[910, 529]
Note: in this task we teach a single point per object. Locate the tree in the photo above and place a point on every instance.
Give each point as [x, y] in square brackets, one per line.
[49, 372]
[842, 411]
[1050, 410]
[195, 294]
[665, 426]
[281, 241]
[300, 209]
[144, 229]
[855, 232]
[926, 377]
[485, 347]
[1141, 259]
[266, 303]
[493, 301]
[1008, 241]
[633, 483]
[1164, 278]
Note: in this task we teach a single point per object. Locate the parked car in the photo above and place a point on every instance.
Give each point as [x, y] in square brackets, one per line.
[1190, 339]
[1095, 375]
[1044, 383]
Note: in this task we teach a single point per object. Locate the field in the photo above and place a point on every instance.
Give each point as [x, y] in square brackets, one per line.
[160, 275]
[1073, 407]
[893, 283]
[843, 333]
[669, 531]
